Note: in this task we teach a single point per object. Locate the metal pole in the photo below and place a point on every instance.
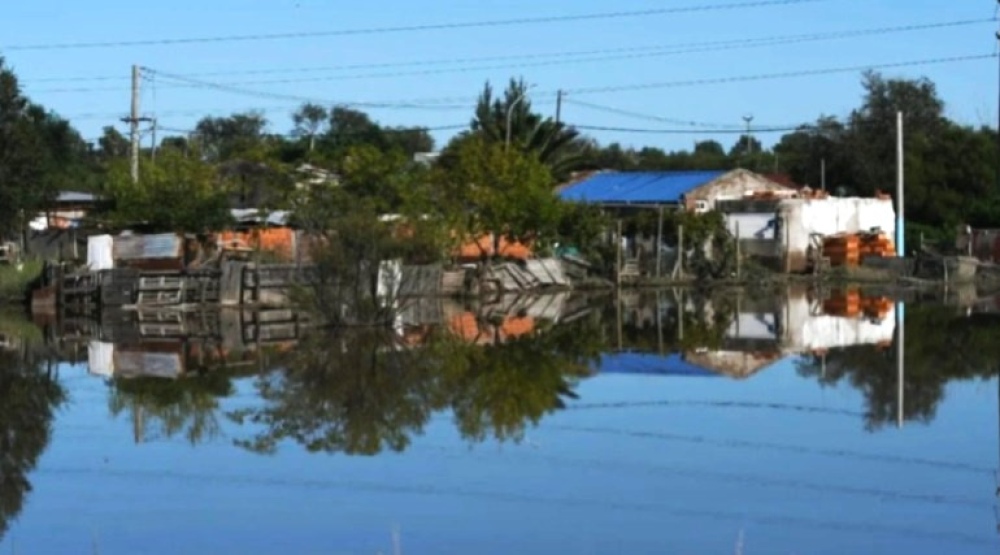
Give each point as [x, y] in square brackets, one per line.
[659, 241]
[619, 248]
[900, 363]
[822, 174]
[900, 203]
[749, 118]
[559, 97]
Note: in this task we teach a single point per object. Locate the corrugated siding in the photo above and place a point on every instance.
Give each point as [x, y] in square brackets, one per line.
[139, 247]
[638, 187]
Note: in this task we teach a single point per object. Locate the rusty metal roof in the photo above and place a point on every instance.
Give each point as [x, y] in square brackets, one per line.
[638, 187]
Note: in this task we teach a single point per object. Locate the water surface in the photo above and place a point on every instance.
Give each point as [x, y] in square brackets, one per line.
[558, 424]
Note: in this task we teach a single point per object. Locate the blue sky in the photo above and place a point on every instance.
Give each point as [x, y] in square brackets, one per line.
[968, 87]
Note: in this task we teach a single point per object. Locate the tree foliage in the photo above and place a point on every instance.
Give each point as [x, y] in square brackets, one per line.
[177, 194]
[486, 188]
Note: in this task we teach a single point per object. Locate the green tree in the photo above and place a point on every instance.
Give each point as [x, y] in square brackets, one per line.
[178, 194]
[309, 120]
[237, 136]
[112, 144]
[487, 189]
[22, 158]
[555, 144]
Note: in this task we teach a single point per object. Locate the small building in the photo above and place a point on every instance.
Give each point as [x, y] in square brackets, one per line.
[628, 193]
[67, 211]
[801, 223]
[696, 191]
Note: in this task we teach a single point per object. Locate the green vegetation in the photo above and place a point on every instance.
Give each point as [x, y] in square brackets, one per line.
[15, 280]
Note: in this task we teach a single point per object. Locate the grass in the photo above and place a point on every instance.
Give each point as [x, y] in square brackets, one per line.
[15, 280]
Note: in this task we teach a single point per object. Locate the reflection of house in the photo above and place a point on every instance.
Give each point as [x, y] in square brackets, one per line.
[844, 320]
[651, 364]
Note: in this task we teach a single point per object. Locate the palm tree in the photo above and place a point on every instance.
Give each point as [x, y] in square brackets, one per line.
[554, 143]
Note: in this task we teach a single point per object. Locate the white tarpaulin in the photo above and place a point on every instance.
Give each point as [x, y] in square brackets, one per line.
[101, 358]
[100, 252]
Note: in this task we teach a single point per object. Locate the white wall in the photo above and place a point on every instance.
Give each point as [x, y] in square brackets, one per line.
[751, 225]
[800, 218]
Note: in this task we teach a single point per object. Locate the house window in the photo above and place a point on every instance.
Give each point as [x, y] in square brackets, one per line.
[701, 206]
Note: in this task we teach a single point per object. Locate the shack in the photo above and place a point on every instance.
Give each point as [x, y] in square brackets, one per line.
[802, 223]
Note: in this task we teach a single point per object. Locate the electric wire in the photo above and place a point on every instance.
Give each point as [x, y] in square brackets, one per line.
[492, 23]
[559, 59]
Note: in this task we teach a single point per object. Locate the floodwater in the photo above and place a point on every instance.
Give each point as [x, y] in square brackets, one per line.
[647, 423]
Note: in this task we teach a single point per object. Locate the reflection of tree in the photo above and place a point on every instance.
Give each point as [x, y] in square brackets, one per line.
[359, 392]
[355, 393]
[29, 396]
[186, 405]
[941, 346]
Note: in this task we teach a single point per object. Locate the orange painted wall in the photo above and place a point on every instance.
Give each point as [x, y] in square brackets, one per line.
[277, 240]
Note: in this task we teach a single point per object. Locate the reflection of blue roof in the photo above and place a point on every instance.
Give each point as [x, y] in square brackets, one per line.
[643, 363]
[628, 187]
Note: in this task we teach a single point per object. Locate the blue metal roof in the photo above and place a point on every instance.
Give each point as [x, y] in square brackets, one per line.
[645, 363]
[638, 187]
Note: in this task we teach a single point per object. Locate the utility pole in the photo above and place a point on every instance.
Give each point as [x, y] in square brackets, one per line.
[559, 97]
[822, 174]
[152, 149]
[901, 248]
[998, 113]
[749, 118]
[133, 120]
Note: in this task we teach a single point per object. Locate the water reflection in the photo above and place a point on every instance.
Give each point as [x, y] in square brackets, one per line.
[498, 367]
[492, 371]
[30, 394]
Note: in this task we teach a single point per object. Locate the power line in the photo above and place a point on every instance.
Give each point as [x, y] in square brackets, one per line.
[415, 28]
[648, 117]
[782, 75]
[687, 131]
[383, 129]
[557, 58]
[294, 98]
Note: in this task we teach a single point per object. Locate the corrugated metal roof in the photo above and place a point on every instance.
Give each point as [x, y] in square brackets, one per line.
[652, 364]
[75, 196]
[638, 187]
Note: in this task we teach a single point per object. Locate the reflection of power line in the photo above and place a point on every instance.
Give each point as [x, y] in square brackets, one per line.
[508, 497]
[740, 478]
[717, 404]
[746, 444]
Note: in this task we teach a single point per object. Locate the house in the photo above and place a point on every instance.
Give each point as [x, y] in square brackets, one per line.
[696, 191]
[67, 211]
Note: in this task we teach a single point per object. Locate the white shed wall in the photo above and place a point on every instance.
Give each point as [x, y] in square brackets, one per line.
[800, 218]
